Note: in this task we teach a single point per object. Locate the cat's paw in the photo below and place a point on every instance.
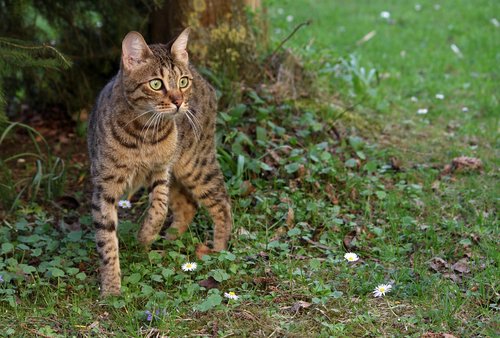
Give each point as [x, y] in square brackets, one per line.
[202, 250]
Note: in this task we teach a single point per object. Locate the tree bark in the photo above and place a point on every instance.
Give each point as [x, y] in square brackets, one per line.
[175, 15]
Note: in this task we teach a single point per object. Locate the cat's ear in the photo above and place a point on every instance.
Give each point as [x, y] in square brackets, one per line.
[134, 50]
[179, 46]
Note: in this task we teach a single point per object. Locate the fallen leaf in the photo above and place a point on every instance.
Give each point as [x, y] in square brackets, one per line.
[437, 335]
[461, 266]
[462, 163]
[350, 240]
[290, 218]
[330, 191]
[262, 255]
[209, 283]
[264, 281]
[301, 172]
[452, 276]
[395, 163]
[297, 306]
[247, 188]
[466, 163]
[354, 194]
[438, 264]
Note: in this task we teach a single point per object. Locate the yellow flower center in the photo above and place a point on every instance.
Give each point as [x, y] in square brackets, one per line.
[382, 289]
[231, 293]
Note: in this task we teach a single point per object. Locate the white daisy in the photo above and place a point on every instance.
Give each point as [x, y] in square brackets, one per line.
[189, 266]
[422, 111]
[418, 7]
[125, 204]
[414, 99]
[351, 257]
[231, 295]
[465, 109]
[385, 15]
[456, 50]
[289, 18]
[440, 96]
[382, 289]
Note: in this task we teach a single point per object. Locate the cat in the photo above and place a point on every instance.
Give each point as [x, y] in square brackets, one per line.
[153, 125]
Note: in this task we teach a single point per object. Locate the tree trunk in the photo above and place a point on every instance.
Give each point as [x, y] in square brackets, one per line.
[175, 15]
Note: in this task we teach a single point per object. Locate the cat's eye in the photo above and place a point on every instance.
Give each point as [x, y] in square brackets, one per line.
[183, 82]
[155, 84]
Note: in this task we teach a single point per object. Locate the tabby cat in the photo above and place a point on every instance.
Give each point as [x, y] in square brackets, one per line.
[153, 126]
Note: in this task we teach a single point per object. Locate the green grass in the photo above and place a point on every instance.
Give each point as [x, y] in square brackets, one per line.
[341, 193]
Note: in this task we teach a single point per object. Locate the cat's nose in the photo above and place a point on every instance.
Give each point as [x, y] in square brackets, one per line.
[176, 98]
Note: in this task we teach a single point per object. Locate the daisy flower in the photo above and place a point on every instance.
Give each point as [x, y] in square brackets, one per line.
[231, 295]
[422, 111]
[465, 109]
[351, 257]
[440, 96]
[382, 289]
[385, 15]
[125, 204]
[189, 266]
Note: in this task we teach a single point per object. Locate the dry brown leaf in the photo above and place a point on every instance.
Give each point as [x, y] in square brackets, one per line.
[290, 218]
[209, 283]
[247, 188]
[395, 163]
[301, 172]
[452, 276]
[354, 194]
[462, 163]
[350, 240]
[330, 191]
[438, 264]
[437, 335]
[297, 306]
[461, 266]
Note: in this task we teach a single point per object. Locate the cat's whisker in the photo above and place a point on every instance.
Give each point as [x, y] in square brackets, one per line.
[195, 123]
[135, 118]
[195, 130]
[148, 124]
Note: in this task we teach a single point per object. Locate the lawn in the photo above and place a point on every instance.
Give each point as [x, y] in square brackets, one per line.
[360, 168]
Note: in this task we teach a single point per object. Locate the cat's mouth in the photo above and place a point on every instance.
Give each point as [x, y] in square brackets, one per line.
[171, 112]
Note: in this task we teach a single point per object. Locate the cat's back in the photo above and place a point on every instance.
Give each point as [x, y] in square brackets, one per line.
[100, 109]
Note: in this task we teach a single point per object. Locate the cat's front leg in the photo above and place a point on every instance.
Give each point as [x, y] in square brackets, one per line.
[158, 206]
[105, 219]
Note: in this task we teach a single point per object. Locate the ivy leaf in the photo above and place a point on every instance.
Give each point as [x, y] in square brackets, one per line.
[56, 272]
[7, 247]
[212, 301]
[219, 275]
[134, 278]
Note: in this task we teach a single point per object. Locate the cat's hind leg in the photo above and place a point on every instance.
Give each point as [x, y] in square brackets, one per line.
[206, 184]
[182, 207]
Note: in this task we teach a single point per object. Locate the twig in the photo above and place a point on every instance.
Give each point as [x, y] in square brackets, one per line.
[35, 332]
[44, 46]
[305, 23]
[318, 245]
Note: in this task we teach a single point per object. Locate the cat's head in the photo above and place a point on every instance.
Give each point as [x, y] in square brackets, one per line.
[156, 78]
